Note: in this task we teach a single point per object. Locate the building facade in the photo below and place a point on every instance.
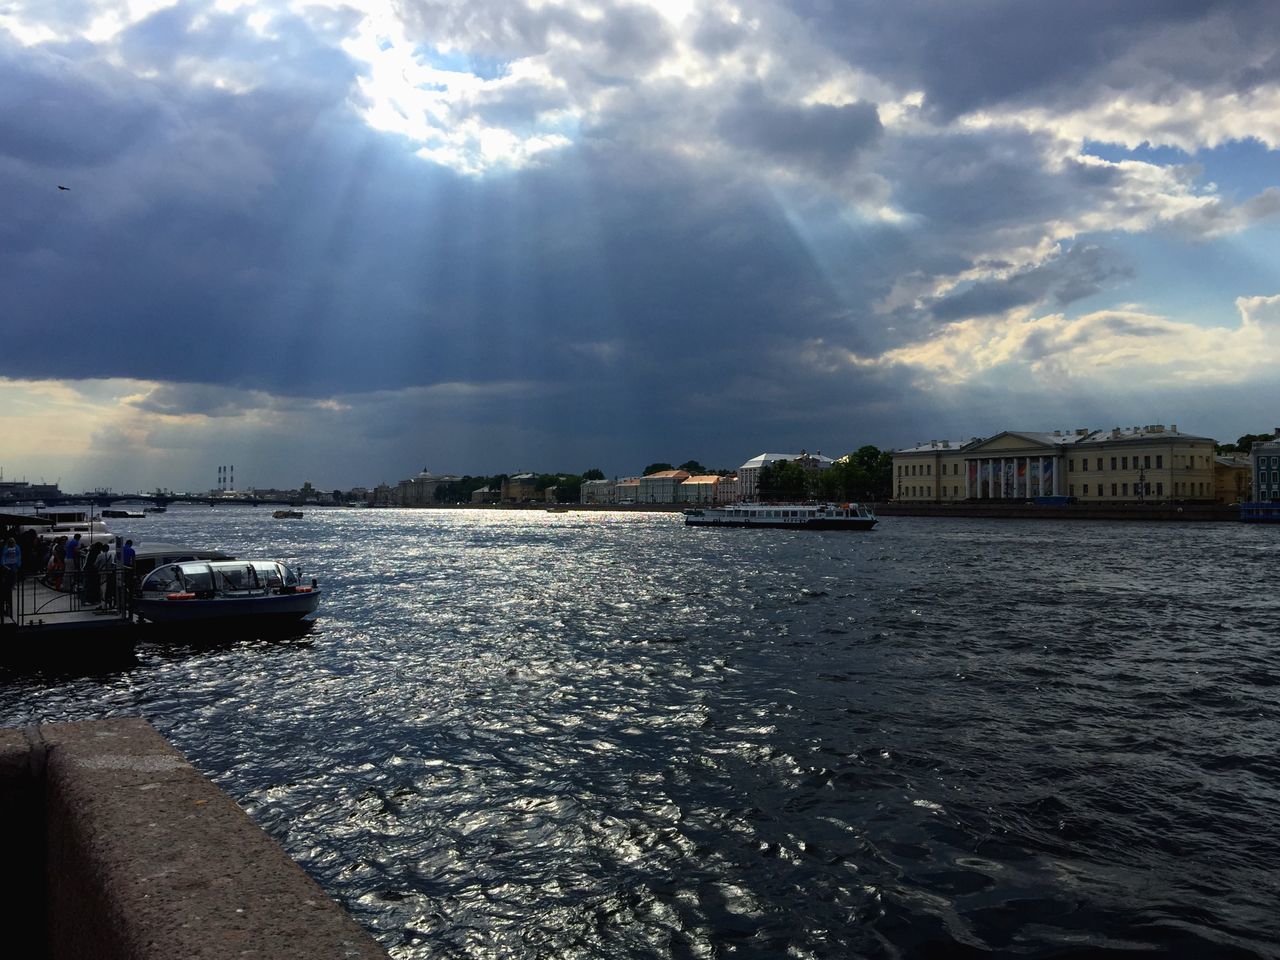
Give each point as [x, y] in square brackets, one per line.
[420, 491]
[1232, 479]
[520, 488]
[1264, 458]
[700, 489]
[627, 490]
[749, 472]
[1121, 465]
[661, 487]
[596, 491]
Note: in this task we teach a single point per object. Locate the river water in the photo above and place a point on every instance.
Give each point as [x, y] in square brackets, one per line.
[517, 734]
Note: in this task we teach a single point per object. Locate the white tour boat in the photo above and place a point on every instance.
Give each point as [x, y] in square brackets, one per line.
[218, 590]
[784, 516]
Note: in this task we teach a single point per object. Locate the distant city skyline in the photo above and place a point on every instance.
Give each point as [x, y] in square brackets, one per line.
[338, 240]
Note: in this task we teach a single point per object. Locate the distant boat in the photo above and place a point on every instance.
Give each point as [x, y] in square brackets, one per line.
[155, 509]
[784, 516]
[121, 515]
[288, 514]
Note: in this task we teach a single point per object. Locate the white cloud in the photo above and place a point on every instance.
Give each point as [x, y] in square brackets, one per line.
[1113, 348]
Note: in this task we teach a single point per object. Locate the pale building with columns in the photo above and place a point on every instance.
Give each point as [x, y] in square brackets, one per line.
[1120, 465]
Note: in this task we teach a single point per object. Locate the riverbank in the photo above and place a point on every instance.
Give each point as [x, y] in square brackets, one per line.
[995, 509]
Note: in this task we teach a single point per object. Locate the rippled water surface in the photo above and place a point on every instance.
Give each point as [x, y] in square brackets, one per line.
[523, 734]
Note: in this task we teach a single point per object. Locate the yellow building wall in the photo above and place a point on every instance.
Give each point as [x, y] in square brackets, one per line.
[1171, 469]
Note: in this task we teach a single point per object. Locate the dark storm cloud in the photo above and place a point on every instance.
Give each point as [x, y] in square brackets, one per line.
[1080, 272]
[648, 283]
[969, 56]
[53, 113]
[825, 137]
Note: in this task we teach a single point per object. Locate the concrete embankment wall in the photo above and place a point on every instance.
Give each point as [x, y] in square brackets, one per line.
[120, 850]
[1074, 511]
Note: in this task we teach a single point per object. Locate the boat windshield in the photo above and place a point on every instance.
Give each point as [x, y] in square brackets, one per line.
[179, 577]
[234, 575]
[272, 574]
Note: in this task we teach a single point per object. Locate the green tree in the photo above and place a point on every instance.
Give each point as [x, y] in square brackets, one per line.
[1244, 444]
[783, 480]
[657, 468]
[593, 474]
[693, 467]
[569, 489]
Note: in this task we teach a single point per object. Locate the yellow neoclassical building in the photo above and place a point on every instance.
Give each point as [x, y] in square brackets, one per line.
[1120, 465]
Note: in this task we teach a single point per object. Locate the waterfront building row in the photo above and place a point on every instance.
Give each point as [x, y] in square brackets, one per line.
[678, 486]
[1132, 464]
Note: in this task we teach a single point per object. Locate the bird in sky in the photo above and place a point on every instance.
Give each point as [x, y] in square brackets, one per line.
[61, 187]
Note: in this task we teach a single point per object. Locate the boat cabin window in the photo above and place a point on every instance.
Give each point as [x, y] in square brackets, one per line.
[164, 579]
[234, 576]
[196, 577]
[271, 574]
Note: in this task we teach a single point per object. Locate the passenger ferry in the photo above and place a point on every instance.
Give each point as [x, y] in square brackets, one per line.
[785, 516]
[206, 591]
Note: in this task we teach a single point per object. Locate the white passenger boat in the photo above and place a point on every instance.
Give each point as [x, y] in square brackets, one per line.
[785, 516]
[67, 522]
[201, 591]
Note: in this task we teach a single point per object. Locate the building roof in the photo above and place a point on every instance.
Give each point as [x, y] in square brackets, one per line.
[667, 475]
[1060, 438]
[703, 478]
[933, 446]
[764, 459]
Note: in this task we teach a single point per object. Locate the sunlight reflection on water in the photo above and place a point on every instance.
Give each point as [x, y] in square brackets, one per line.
[523, 734]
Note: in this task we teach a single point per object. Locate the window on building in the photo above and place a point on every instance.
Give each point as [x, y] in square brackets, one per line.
[1099, 463]
[1124, 489]
[1160, 489]
[1146, 461]
[1113, 489]
[1084, 464]
[1071, 466]
[1124, 463]
[1071, 490]
[1113, 463]
[1085, 489]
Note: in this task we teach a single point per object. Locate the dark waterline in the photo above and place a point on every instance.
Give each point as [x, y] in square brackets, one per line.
[521, 734]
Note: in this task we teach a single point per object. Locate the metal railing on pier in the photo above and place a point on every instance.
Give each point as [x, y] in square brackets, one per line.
[67, 598]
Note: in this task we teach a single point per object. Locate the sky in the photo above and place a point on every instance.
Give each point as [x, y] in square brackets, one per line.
[346, 241]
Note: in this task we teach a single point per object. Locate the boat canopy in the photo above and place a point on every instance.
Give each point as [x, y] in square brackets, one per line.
[221, 576]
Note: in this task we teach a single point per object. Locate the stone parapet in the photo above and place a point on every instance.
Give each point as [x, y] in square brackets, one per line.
[139, 857]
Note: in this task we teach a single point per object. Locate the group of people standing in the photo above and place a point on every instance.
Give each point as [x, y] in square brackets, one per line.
[67, 566]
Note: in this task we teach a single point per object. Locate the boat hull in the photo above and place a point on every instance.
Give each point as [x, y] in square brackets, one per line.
[821, 523]
[275, 608]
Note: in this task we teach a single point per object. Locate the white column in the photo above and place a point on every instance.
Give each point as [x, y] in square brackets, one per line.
[964, 464]
[1057, 472]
